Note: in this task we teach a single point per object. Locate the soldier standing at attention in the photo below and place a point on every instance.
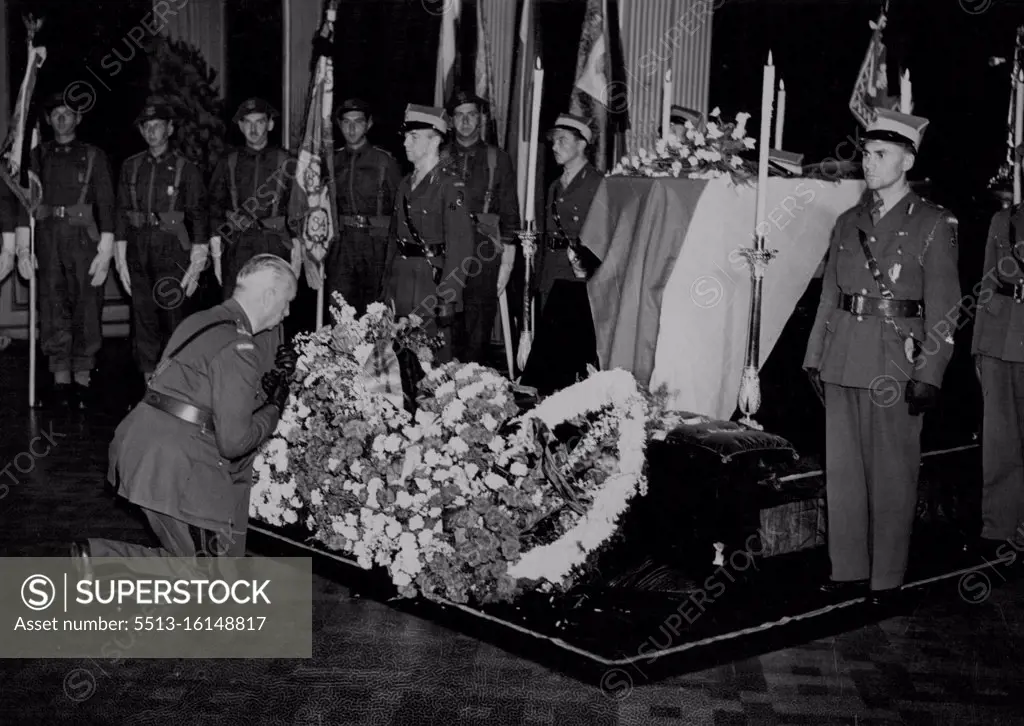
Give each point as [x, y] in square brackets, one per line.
[565, 341]
[184, 454]
[493, 205]
[74, 246]
[877, 354]
[162, 234]
[998, 349]
[249, 198]
[431, 232]
[366, 179]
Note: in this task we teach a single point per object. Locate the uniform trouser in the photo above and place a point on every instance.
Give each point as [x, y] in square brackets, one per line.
[354, 267]
[872, 460]
[246, 245]
[70, 308]
[156, 264]
[1002, 449]
[412, 289]
[480, 302]
[565, 341]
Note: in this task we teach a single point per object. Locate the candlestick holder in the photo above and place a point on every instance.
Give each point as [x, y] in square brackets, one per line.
[528, 241]
[750, 383]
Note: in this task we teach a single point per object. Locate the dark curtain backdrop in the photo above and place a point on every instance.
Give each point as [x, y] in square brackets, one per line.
[254, 59]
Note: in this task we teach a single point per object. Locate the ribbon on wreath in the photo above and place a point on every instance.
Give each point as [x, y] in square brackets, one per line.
[383, 373]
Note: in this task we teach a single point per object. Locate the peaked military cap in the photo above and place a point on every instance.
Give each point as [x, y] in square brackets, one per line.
[570, 122]
[154, 110]
[896, 128]
[461, 98]
[254, 105]
[425, 117]
[54, 101]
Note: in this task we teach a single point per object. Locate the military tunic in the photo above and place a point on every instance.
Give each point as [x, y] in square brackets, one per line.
[162, 211]
[190, 481]
[873, 446]
[366, 180]
[434, 215]
[76, 207]
[249, 195]
[998, 345]
[495, 197]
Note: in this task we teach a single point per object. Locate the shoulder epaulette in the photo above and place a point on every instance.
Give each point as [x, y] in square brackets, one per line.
[384, 151]
[133, 157]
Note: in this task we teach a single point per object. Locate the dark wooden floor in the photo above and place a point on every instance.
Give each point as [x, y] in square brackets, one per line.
[949, 662]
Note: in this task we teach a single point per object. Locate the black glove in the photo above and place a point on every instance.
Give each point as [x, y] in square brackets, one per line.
[588, 261]
[270, 382]
[286, 359]
[279, 396]
[814, 376]
[922, 397]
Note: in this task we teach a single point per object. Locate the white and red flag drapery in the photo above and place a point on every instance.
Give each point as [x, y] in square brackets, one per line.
[16, 151]
[517, 135]
[448, 56]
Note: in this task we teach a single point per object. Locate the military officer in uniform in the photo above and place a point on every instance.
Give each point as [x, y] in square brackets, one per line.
[366, 179]
[249, 193]
[882, 337]
[565, 342]
[998, 349]
[162, 234]
[431, 241]
[74, 247]
[493, 203]
[184, 454]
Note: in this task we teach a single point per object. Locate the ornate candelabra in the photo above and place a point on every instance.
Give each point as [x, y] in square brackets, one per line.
[750, 384]
[528, 240]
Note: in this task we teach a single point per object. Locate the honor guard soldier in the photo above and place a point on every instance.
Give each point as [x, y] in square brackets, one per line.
[431, 232]
[563, 265]
[184, 454]
[74, 246]
[998, 349]
[877, 353]
[11, 214]
[249, 194]
[366, 179]
[490, 186]
[162, 234]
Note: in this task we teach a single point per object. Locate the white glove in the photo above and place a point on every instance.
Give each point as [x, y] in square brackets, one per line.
[297, 257]
[196, 265]
[121, 263]
[216, 250]
[7, 256]
[508, 260]
[27, 264]
[100, 266]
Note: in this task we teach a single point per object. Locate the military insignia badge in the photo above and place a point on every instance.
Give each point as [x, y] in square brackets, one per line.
[908, 349]
[894, 272]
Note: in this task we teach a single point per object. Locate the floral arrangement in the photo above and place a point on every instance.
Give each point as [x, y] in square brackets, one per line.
[701, 154]
[466, 499]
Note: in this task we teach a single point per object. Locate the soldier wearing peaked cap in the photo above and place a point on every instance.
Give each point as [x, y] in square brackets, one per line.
[249, 193]
[563, 265]
[430, 250]
[679, 116]
[877, 353]
[493, 204]
[366, 179]
[162, 229]
[74, 247]
[998, 350]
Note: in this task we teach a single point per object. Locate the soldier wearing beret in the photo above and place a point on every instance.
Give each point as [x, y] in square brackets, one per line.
[998, 349]
[563, 264]
[73, 249]
[162, 234]
[431, 241]
[877, 353]
[184, 454]
[366, 179]
[493, 203]
[249, 194]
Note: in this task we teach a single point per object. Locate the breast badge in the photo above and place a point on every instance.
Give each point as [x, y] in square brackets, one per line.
[894, 272]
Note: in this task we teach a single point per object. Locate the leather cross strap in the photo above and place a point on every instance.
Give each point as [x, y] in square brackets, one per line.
[179, 409]
[880, 307]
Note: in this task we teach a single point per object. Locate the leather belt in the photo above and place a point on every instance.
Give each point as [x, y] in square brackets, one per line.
[179, 409]
[56, 212]
[411, 249]
[1016, 291]
[359, 221]
[555, 242]
[880, 307]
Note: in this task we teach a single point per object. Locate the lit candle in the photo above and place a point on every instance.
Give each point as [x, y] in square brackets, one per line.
[666, 106]
[767, 96]
[1018, 134]
[531, 166]
[780, 114]
[906, 99]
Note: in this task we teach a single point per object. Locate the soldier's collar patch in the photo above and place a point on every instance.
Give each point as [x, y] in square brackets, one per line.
[245, 346]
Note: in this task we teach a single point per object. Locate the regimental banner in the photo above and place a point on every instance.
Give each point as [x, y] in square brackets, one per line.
[157, 607]
[871, 88]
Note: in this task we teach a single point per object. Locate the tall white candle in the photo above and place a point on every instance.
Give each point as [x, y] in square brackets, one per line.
[666, 105]
[531, 166]
[906, 95]
[767, 96]
[780, 114]
[1018, 134]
